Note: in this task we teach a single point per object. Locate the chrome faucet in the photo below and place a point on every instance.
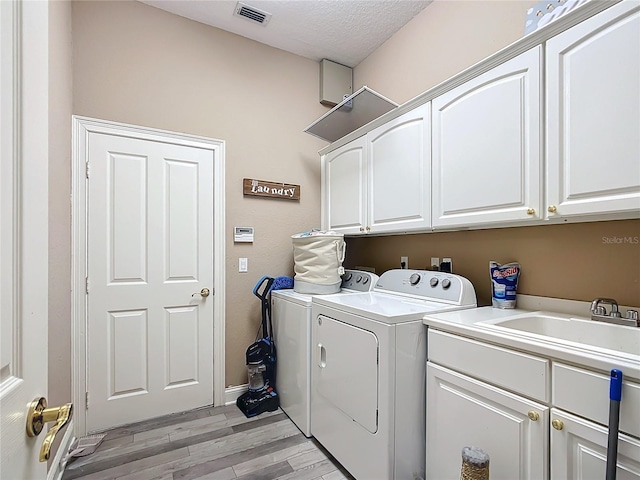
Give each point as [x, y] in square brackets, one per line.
[599, 313]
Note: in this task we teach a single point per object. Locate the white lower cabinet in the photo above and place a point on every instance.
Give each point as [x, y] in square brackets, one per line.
[579, 450]
[536, 417]
[462, 411]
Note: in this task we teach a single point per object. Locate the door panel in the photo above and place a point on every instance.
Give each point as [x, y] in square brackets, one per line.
[150, 243]
[593, 125]
[344, 180]
[400, 173]
[462, 411]
[487, 146]
[126, 197]
[579, 450]
[24, 208]
[181, 220]
[127, 340]
[348, 373]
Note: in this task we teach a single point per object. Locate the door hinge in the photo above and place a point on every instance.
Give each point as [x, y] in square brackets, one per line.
[86, 285]
[86, 400]
[87, 169]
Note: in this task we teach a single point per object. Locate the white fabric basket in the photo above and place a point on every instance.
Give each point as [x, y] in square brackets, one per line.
[318, 258]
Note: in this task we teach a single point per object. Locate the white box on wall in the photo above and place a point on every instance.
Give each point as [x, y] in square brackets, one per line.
[336, 81]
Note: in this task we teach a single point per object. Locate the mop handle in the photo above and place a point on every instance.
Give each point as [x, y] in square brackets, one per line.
[615, 395]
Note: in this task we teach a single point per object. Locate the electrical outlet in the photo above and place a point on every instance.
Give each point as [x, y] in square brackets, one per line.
[435, 262]
[448, 261]
[243, 265]
[404, 262]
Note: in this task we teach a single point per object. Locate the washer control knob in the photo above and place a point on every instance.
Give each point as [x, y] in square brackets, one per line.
[365, 280]
[433, 282]
[446, 283]
[414, 279]
[347, 276]
[359, 279]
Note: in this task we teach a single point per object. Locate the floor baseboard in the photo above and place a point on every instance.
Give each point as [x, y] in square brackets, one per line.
[57, 467]
[231, 394]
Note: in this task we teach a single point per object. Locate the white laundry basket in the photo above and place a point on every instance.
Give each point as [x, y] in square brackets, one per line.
[318, 258]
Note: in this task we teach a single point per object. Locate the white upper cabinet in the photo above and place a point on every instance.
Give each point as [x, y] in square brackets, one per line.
[400, 173]
[487, 147]
[593, 116]
[344, 188]
[381, 182]
[549, 134]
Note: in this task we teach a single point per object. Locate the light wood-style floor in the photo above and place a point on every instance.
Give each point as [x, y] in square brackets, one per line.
[216, 443]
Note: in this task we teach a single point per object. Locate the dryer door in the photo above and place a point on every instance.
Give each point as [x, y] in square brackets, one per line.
[347, 370]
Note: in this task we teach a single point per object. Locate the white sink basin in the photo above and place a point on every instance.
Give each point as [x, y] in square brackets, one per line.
[581, 331]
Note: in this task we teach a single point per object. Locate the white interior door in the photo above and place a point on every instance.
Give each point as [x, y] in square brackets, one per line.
[150, 251]
[23, 232]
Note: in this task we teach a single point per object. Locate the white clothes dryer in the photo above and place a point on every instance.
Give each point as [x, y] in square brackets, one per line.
[292, 335]
[368, 371]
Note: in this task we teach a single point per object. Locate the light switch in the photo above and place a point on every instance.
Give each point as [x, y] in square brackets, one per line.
[243, 265]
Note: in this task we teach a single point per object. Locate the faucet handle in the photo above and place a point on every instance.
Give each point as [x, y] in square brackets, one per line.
[632, 315]
[599, 310]
[595, 305]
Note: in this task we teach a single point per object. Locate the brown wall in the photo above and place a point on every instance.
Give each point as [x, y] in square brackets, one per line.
[578, 261]
[137, 64]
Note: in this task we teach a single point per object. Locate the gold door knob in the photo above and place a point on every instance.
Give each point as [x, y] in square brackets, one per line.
[203, 293]
[533, 415]
[552, 209]
[39, 414]
[557, 424]
[531, 211]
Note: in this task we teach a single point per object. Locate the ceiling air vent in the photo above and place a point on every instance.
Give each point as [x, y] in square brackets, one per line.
[252, 13]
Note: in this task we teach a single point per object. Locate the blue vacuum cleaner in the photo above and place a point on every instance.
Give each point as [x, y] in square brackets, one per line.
[261, 361]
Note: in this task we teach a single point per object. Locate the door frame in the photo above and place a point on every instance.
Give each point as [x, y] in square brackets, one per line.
[81, 128]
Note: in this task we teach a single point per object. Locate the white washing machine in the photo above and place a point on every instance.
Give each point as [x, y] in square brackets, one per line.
[368, 371]
[292, 334]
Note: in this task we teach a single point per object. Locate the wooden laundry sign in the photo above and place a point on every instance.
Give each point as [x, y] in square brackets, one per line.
[262, 188]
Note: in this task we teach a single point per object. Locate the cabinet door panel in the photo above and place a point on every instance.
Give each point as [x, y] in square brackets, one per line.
[594, 115]
[400, 174]
[344, 192]
[486, 144]
[579, 451]
[462, 411]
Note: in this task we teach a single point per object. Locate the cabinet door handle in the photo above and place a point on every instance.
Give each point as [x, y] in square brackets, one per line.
[552, 209]
[362, 229]
[557, 424]
[533, 415]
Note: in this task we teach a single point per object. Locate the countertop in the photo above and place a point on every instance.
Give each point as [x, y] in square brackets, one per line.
[468, 323]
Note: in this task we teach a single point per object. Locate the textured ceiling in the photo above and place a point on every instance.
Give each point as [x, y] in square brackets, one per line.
[343, 31]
